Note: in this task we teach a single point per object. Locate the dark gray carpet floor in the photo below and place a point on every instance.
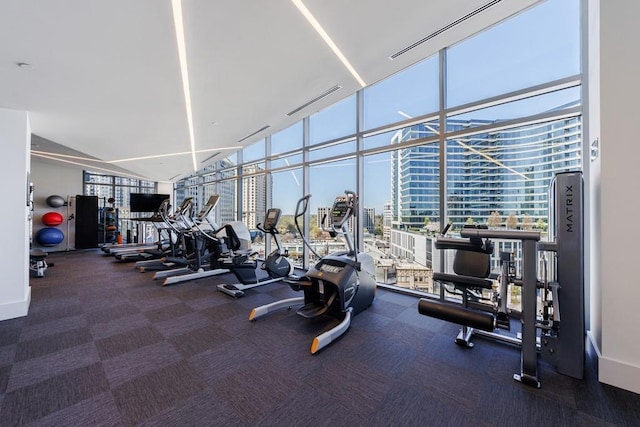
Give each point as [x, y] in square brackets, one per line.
[104, 345]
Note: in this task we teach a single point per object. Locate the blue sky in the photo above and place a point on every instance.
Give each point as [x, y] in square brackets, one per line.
[534, 47]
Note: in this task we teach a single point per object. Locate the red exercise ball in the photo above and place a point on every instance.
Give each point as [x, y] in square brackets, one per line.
[52, 219]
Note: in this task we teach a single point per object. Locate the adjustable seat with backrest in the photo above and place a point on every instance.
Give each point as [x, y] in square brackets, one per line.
[471, 270]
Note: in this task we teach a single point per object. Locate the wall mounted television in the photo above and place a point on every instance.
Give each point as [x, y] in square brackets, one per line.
[146, 202]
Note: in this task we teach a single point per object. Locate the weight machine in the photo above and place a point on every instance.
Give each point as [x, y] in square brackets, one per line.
[553, 327]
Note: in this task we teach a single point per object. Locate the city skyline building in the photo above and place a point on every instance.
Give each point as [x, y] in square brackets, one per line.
[254, 200]
[506, 171]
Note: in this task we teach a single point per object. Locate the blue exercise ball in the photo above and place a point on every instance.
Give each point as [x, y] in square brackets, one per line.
[55, 201]
[49, 236]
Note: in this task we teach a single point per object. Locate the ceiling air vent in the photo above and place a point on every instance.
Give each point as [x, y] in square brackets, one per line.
[445, 28]
[255, 133]
[314, 100]
[211, 156]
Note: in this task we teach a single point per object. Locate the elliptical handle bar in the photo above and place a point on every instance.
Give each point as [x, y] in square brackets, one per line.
[301, 209]
[445, 229]
[352, 199]
[304, 202]
[264, 230]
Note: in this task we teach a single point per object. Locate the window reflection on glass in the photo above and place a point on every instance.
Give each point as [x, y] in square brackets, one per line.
[286, 161]
[428, 129]
[549, 102]
[410, 93]
[230, 161]
[253, 152]
[540, 45]
[334, 122]
[286, 140]
[508, 172]
[348, 147]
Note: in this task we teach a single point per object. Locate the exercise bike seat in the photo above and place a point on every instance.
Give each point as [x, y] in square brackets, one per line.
[37, 254]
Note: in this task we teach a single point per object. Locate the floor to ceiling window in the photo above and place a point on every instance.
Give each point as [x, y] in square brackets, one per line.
[118, 189]
[477, 144]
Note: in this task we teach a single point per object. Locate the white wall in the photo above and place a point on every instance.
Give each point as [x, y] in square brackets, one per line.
[166, 188]
[15, 139]
[55, 179]
[619, 202]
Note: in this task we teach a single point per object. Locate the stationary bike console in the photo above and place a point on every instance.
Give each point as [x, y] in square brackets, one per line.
[271, 221]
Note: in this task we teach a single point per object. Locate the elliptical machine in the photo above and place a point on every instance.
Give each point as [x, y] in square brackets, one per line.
[340, 285]
[276, 264]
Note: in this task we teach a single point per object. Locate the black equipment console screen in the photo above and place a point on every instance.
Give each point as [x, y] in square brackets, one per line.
[271, 221]
[340, 211]
[330, 268]
[145, 202]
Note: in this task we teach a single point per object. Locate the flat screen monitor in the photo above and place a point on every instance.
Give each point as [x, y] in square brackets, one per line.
[145, 202]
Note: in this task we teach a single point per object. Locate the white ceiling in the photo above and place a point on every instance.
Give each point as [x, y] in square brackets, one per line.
[106, 77]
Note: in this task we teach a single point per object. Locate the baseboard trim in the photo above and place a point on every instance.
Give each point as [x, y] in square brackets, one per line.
[619, 374]
[14, 309]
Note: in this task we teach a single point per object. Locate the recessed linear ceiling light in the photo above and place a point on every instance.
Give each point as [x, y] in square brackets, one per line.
[67, 156]
[182, 54]
[316, 25]
[120, 173]
[314, 100]
[443, 29]
[255, 133]
[155, 156]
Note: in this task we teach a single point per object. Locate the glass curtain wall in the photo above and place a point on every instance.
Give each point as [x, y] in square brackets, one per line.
[328, 181]
[286, 190]
[118, 188]
[510, 120]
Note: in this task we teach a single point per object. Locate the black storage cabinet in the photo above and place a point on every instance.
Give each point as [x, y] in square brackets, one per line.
[86, 222]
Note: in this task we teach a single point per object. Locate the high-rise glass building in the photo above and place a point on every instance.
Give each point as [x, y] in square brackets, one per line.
[253, 196]
[505, 173]
[414, 176]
